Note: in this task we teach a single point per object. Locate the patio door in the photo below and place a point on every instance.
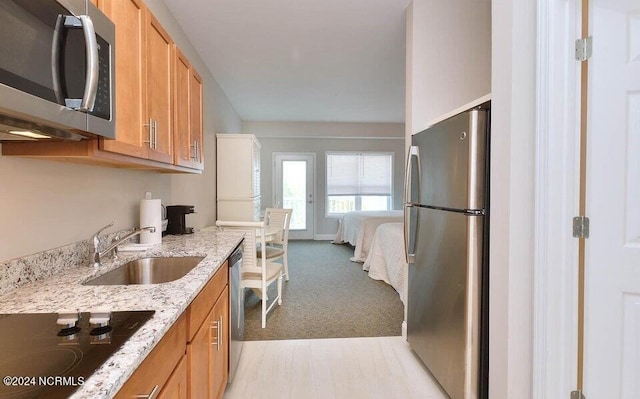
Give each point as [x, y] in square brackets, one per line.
[293, 187]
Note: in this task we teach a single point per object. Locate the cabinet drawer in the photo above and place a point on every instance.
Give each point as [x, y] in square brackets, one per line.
[158, 366]
[201, 306]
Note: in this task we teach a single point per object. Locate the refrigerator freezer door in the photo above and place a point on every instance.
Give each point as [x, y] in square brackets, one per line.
[443, 320]
[453, 162]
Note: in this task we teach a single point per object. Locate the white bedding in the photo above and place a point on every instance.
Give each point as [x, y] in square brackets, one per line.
[386, 259]
[358, 227]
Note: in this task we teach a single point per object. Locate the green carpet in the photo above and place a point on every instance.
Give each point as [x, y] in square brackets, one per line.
[327, 296]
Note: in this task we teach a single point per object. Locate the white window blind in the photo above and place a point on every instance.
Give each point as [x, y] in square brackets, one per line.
[358, 174]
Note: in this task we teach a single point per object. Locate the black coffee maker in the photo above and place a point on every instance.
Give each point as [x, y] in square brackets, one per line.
[176, 215]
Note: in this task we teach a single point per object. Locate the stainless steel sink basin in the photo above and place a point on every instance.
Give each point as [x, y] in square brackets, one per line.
[148, 271]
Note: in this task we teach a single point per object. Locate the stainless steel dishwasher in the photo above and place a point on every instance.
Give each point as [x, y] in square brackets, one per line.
[236, 311]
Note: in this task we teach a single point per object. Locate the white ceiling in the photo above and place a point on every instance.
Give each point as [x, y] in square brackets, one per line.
[303, 60]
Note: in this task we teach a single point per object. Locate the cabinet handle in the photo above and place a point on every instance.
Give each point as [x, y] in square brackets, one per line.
[220, 333]
[155, 134]
[196, 153]
[217, 340]
[150, 126]
[152, 395]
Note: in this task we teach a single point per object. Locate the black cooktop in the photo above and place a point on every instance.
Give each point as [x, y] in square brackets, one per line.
[50, 355]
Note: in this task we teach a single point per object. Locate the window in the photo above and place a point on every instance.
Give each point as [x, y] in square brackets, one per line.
[358, 182]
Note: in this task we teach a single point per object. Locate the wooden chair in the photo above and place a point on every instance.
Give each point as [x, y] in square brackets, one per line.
[256, 273]
[277, 245]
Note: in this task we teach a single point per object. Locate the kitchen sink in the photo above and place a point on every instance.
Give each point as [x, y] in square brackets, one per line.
[148, 271]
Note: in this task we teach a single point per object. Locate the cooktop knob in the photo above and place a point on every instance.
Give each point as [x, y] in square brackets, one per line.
[99, 319]
[68, 322]
[68, 319]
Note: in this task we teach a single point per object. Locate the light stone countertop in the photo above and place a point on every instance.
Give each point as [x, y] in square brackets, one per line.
[64, 292]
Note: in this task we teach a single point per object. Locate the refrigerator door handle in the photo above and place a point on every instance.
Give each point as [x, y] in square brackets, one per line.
[413, 152]
[409, 257]
[409, 253]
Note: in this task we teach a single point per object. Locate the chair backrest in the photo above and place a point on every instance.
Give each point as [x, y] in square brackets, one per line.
[250, 262]
[279, 217]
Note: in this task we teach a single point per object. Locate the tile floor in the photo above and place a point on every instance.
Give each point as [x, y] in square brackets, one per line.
[338, 368]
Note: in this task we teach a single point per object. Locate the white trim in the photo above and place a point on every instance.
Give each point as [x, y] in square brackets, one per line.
[557, 173]
[458, 110]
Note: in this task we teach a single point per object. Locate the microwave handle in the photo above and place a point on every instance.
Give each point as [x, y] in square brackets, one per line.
[91, 43]
[91, 83]
[55, 59]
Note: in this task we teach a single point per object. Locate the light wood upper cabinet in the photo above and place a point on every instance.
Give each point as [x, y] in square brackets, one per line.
[197, 135]
[148, 113]
[132, 136]
[181, 151]
[159, 85]
[188, 114]
[144, 83]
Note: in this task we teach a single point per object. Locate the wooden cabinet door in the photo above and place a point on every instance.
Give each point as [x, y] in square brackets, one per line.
[195, 105]
[188, 114]
[182, 136]
[176, 386]
[159, 59]
[208, 353]
[219, 361]
[154, 372]
[132, 136]
[198, 354]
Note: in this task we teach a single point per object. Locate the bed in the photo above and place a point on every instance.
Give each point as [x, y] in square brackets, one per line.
[386, 259]
[357, 228]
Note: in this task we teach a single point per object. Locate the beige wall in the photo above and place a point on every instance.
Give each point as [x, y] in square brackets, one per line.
[448, 57]
[317, 138]
[46, 204]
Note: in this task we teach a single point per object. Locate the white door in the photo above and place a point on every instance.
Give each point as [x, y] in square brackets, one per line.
[612, 274]
[293, 187]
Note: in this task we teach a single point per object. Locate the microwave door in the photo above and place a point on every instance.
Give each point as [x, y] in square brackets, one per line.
[102, 118]
[46, 73]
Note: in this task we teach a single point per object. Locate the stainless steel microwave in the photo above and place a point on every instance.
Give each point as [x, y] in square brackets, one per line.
[57, 70]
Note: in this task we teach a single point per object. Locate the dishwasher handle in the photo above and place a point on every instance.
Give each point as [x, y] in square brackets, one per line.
[236, 256]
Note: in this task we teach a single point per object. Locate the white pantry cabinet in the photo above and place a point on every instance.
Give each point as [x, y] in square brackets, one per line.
[238, 177]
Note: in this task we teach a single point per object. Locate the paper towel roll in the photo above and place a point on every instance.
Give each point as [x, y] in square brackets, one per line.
[151, 215]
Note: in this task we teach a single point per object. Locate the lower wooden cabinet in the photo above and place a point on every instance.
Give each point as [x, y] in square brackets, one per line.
[192, 359]
[176, 386]
[155, 372]
[208, 350]
[219, 350]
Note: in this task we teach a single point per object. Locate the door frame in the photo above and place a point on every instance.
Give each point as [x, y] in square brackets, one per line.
[555, 313]
[274, 187]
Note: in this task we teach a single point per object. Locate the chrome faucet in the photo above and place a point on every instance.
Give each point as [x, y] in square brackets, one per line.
[98, 255]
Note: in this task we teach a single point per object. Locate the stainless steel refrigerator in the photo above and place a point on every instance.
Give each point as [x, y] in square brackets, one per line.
[447, 242]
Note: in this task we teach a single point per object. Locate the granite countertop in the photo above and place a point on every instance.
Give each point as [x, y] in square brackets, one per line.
[64, 292]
